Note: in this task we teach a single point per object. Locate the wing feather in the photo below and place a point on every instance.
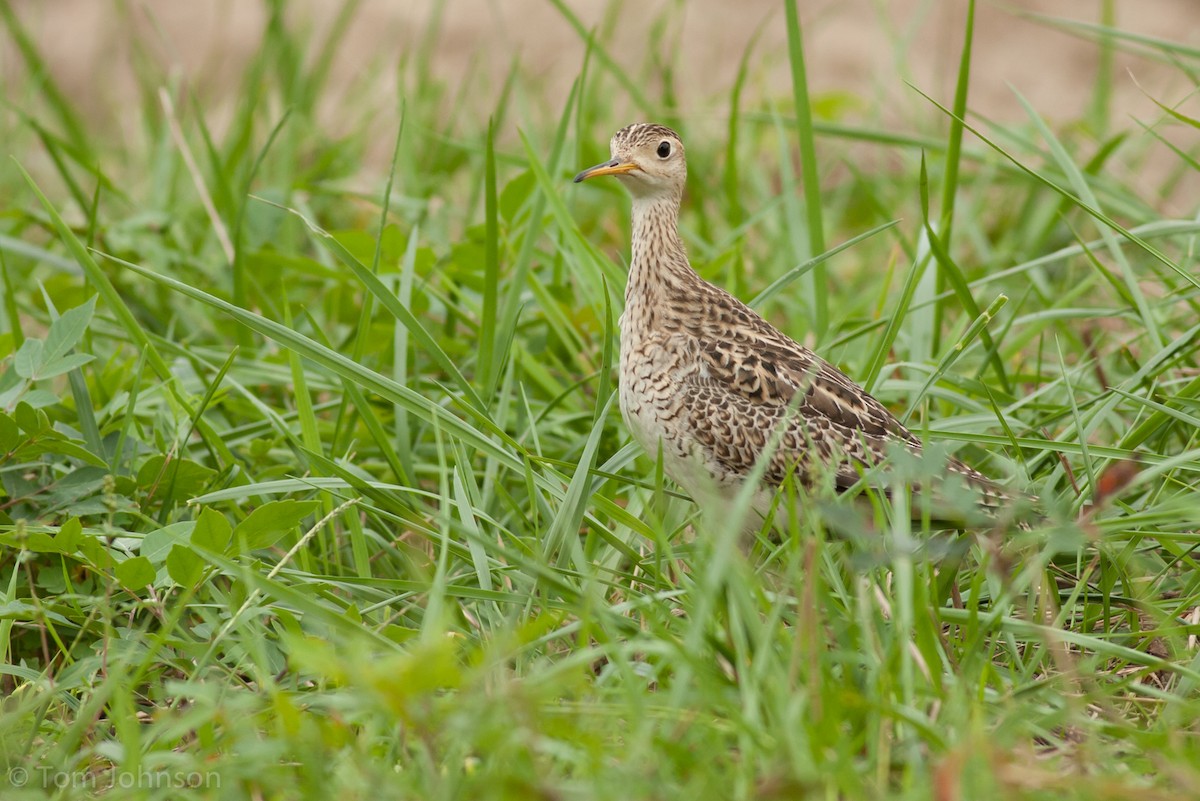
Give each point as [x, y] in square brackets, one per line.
[747, 387]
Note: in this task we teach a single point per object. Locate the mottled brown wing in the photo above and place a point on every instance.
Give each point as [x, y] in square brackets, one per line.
[757, 379]
[736, 430]
[757, 392]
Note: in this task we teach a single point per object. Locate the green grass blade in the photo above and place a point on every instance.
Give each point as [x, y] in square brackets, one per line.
[335, 362]
[953, 162]
[401, 313]
[99, 280]
[489, 357]
[808, 166]
[1150, 250]
[802, 269]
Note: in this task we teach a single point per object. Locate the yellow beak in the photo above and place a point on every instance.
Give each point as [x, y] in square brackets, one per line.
[614, 167]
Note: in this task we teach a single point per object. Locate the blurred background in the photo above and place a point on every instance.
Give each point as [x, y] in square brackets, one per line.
[860, 53]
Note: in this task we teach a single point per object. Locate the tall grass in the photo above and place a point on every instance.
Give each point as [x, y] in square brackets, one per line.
[311, 493]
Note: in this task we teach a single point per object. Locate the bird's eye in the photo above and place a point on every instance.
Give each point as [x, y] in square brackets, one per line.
[664, 149]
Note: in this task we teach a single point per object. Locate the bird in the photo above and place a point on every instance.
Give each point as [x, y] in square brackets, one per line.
[713, 386]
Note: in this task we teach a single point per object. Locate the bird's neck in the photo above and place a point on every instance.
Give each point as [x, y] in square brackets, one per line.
[659, 273]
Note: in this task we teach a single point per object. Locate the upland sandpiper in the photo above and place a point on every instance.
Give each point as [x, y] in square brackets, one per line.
[713, 384]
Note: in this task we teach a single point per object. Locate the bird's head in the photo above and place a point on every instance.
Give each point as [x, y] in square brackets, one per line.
[647, 158]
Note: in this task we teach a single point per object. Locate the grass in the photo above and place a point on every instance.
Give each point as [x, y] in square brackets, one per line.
[310, 491]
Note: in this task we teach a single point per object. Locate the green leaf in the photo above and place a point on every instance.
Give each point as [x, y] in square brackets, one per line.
[516, 193]
[40, 398]
[212, 530]
[94, 551]
[64, 365]
[69, 536]
[64, 447]
[270, 522]
[20, 610]
[67, 330]
[36, 541]
[157, 544]
[10, 434]
[184, 566]
[135, 573]
[28, 358]
[31, 420]
[182, 478]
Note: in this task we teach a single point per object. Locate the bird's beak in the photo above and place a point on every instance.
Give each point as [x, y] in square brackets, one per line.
[614, 167]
